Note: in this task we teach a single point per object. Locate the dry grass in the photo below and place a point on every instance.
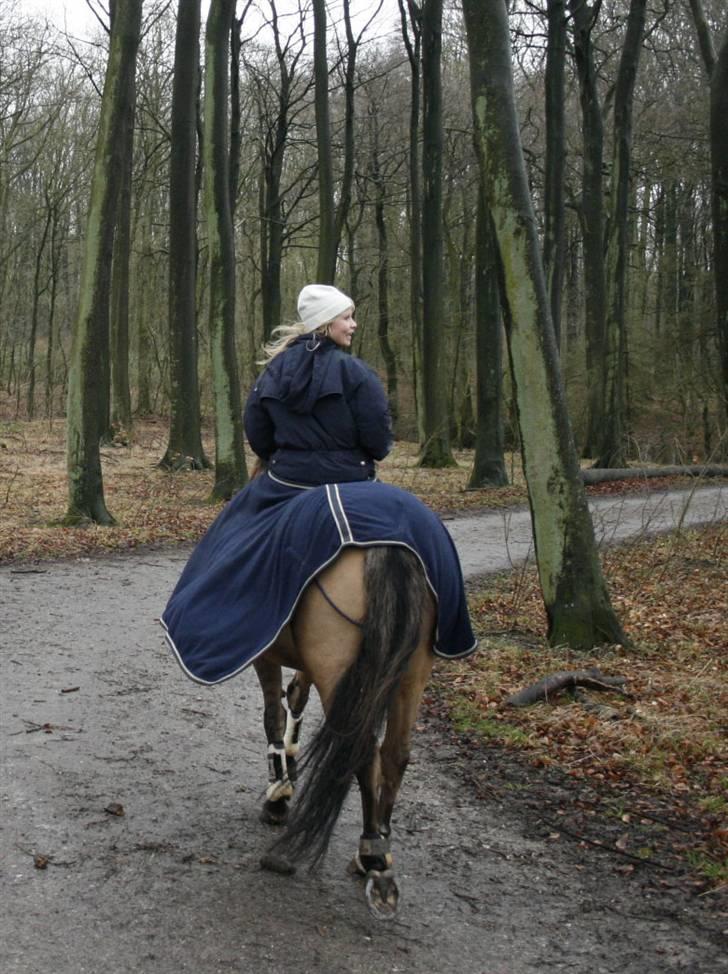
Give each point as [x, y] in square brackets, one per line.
[153, 506]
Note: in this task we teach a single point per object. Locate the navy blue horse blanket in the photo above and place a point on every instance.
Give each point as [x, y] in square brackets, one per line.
[243, 581]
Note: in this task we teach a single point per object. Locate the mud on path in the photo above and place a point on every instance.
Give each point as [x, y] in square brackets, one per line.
[96, 718]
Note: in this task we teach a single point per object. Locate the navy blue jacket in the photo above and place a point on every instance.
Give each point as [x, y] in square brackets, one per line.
[317, 415]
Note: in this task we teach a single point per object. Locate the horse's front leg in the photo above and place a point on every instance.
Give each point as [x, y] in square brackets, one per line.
[280, 787]
[297, 695]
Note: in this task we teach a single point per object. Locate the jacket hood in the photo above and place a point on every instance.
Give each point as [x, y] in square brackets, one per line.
[303, 374]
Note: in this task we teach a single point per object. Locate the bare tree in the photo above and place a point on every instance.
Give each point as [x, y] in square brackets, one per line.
[184, 448]
[230, 469]
[575, 596]
[90, 336]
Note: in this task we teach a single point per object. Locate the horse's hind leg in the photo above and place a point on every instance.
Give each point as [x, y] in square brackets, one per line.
[280, 788]
[379, 783]
[395, 749]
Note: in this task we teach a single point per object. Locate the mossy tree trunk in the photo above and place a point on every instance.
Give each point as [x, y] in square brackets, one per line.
[489, 468]
[91, 328]
[577, 603]
[230, 469]
[184, 449]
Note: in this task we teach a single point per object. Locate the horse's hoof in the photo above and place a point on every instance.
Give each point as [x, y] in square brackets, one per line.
[277, 864]
[382, 894]
[274, 812]
[356, 867]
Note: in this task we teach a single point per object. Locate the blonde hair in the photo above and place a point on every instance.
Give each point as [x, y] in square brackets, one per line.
[285, 335]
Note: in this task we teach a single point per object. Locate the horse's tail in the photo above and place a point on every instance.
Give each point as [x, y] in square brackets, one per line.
[396, 591]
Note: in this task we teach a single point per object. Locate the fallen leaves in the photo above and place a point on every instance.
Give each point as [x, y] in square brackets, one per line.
[669, 737]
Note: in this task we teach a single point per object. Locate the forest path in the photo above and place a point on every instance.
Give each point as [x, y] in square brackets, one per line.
[96, 717]
[498, 540]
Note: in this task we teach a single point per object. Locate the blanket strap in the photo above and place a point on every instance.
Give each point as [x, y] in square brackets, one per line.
[334, 606]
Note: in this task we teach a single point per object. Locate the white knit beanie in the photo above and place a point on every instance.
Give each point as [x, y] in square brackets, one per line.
[318, 304]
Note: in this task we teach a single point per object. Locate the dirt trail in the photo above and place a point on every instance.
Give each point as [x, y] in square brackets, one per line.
[95, 714]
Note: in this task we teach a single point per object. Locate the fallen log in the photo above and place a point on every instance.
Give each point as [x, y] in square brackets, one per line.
[601, 475]
[549, 686]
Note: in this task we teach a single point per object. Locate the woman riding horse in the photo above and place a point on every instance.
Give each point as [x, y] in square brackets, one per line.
[318, 566]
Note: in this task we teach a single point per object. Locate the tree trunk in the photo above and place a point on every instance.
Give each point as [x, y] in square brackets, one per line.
[119, 345]
[34, 313]
[413, 18]
[230, 469]
[592, 218]
[436, 447]
[51, 349]
[347, 178]
[327, 244]
[575, 596]
[390, 361]
[553, 242]
[489, 468]
[719, 165]
[274, 142]
[612, 439]
[90, 334]
[184, 448]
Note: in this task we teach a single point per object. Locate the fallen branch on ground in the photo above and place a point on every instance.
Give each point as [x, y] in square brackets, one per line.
[549, 686]
[600, 475]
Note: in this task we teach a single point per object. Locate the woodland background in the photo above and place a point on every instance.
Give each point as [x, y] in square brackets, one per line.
[49, 113]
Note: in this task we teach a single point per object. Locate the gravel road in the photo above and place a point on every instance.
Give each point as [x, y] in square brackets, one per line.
[129, 836]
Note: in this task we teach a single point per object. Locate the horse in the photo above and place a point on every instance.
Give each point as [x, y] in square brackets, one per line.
[362, 635]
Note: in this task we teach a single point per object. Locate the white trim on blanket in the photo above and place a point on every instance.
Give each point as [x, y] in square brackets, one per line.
[339, 514]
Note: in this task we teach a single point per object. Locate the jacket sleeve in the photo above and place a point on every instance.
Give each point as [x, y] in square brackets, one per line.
[370, 409]
[258, 425]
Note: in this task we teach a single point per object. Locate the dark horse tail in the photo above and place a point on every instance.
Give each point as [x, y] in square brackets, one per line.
[395, 595]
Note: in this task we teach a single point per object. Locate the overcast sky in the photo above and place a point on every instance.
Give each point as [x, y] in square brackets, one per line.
[75, 16]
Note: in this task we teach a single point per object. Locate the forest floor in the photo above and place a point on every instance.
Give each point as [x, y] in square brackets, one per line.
[640, 775]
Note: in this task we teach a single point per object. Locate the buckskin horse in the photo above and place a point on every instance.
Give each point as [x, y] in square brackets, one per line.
[355, 587]
[362, 635]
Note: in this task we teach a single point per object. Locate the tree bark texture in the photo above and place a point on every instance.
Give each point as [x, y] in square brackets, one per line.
[719, 164]
[592, 218]
[489, 468]
[612, 450]
[385, 346]
[412, 20]
[91, 329]
[575, 596]
[120, 388]
[184, 448]
[230, 469]
[554, 240]
[436, 447]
